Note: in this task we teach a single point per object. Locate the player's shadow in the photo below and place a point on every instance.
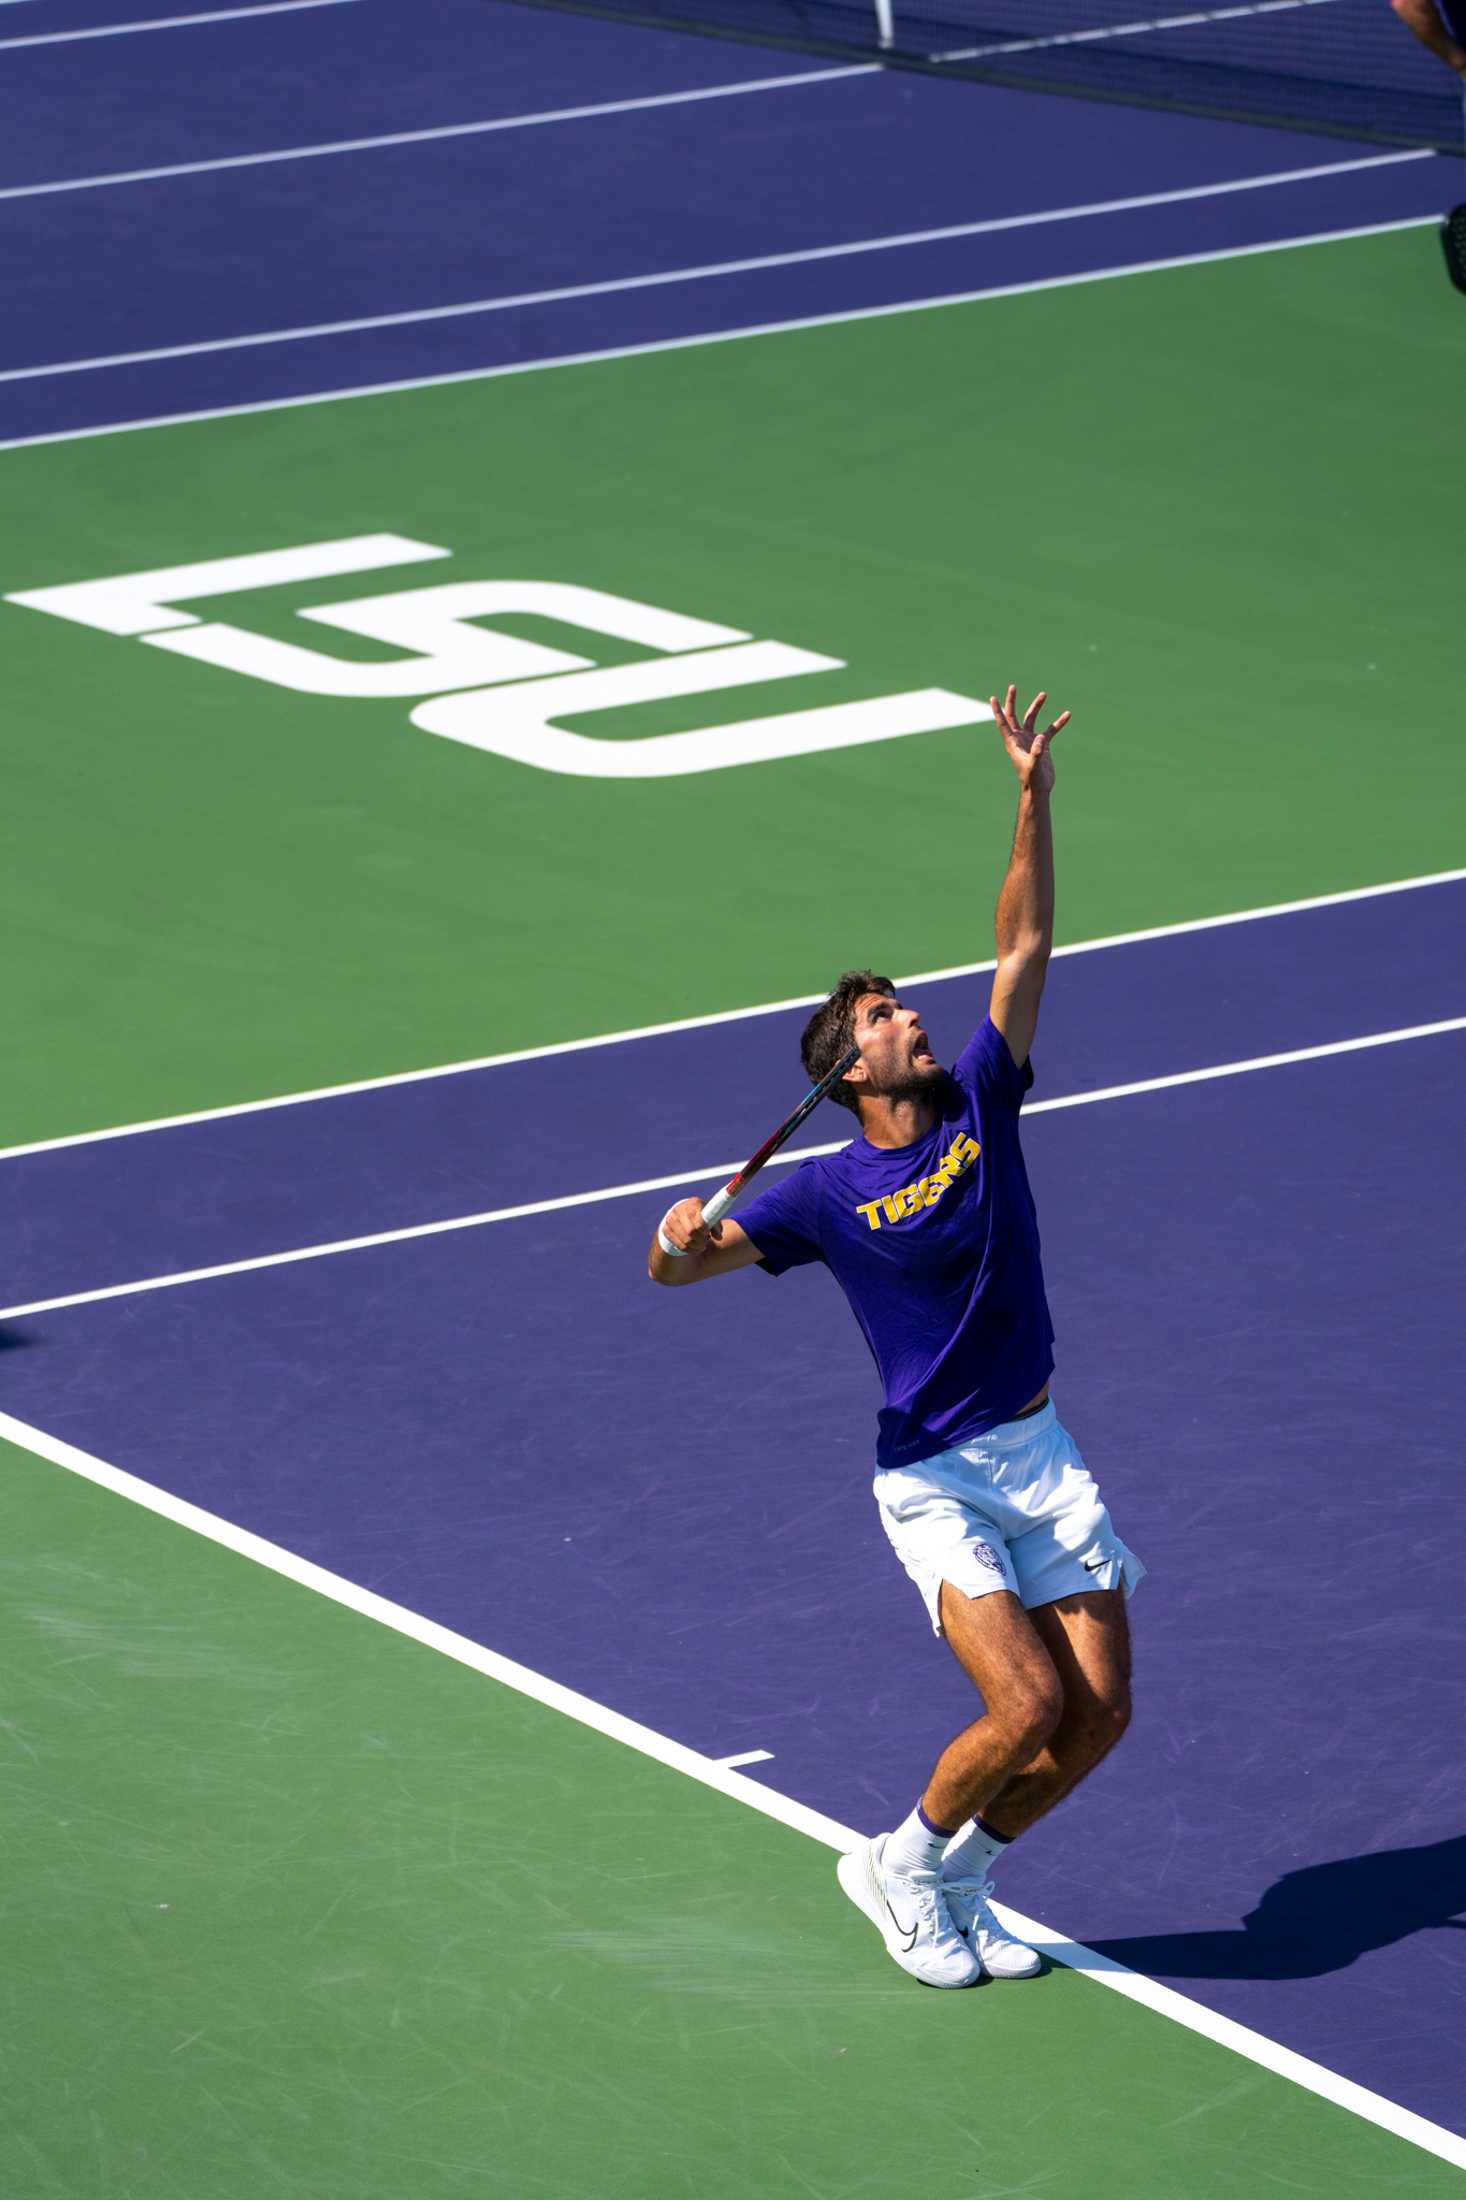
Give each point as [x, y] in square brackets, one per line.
[14, 1340]
[1318, 1919]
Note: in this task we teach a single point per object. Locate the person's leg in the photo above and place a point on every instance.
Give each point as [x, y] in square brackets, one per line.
[897, 1879]
[1046, 1683]
[1087, 1640]
[1072, 1573]
[1002, 1652]
[1056, 1682]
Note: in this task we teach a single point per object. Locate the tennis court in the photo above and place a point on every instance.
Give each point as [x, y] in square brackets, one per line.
[513, 520]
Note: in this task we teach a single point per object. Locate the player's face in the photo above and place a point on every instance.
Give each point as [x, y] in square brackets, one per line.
[894, 1048]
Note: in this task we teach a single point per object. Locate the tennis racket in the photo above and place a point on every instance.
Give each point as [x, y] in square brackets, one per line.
[1453, 244]
[715, 1208]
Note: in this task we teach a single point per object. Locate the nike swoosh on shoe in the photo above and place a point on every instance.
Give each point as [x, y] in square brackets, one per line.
[908, 1934]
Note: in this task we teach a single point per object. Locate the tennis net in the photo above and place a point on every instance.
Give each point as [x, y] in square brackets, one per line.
[1344, 67]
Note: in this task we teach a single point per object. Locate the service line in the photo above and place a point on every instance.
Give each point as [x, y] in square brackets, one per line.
[428, 137]
[1098, 33]
[170, 23]
[682, 1177]
[714, 1016]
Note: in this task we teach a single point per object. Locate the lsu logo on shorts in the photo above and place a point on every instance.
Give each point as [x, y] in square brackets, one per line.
[913, 1198]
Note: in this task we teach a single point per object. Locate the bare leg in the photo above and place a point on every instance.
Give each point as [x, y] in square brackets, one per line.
[1087, 1638]
[1003, 1653]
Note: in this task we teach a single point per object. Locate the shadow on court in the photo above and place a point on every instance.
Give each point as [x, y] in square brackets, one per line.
[1318, 1919]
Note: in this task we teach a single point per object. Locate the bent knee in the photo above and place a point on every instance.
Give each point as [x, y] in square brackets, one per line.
[1029, 1714]
[1101, 1722]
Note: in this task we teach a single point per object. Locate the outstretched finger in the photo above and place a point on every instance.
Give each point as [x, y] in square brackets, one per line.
[1060, 723]
[1030, 716]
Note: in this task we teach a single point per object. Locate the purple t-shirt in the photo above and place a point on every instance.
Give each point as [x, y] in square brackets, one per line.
[936, 1247]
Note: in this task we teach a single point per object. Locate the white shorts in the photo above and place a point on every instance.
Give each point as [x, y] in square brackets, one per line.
[1015, 1509]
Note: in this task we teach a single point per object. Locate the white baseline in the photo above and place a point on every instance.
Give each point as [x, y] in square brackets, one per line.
[726, 1780]
[723, 1169]
[900, 241]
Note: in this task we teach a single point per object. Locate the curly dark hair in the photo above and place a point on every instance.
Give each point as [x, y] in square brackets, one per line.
[830, 1031]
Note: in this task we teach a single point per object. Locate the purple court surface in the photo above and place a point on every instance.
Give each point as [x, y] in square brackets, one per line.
[739, 187]
[661, 1499]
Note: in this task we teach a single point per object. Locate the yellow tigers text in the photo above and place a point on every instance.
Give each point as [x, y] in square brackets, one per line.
[912, 1198]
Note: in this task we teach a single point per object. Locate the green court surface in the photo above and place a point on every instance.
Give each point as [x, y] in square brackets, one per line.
[1215, 510]
[297, 1909]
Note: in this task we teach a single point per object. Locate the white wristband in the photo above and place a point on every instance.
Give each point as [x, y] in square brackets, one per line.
[677, 1252]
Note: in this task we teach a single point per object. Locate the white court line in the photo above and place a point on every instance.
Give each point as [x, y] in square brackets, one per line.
[723, 1169]
[170, 23]
[447, 130]
[1205, 16]
[709, 1772]
[310, 332]
[720, 1016]
[717, 336]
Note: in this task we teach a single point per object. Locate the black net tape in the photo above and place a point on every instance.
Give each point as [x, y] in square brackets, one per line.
[1341, 67]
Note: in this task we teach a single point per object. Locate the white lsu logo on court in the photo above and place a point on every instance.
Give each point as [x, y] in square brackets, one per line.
[495, 691]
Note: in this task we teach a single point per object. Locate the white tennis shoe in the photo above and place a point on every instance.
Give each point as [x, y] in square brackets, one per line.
[999, 1954]
[911, 1915]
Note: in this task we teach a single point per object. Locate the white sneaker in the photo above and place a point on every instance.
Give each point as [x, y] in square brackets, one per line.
[911, 1916]
[999, 1954]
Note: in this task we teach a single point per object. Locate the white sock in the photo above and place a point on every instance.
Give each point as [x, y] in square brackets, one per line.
[974, 1852]
[916, 1846]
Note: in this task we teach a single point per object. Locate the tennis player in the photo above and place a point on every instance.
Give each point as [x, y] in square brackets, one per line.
[927, 1221]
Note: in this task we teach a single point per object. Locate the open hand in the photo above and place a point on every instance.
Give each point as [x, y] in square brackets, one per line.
[1028, 749]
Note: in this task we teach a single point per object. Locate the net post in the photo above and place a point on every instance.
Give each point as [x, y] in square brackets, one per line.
[886, 22]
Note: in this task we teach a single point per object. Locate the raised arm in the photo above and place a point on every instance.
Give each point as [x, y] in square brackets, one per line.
[703, 1252]
[1422, 17]
[1024, 925]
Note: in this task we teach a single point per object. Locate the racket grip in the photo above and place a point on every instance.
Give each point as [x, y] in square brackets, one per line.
[715, 1208]
[713, 1212]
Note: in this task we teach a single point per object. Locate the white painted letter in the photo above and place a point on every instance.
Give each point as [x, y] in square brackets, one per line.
[515, 722]
[137, 603]
[450, 652]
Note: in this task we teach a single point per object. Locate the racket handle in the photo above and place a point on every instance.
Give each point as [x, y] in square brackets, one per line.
[713, 1212]
[715, 1208]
